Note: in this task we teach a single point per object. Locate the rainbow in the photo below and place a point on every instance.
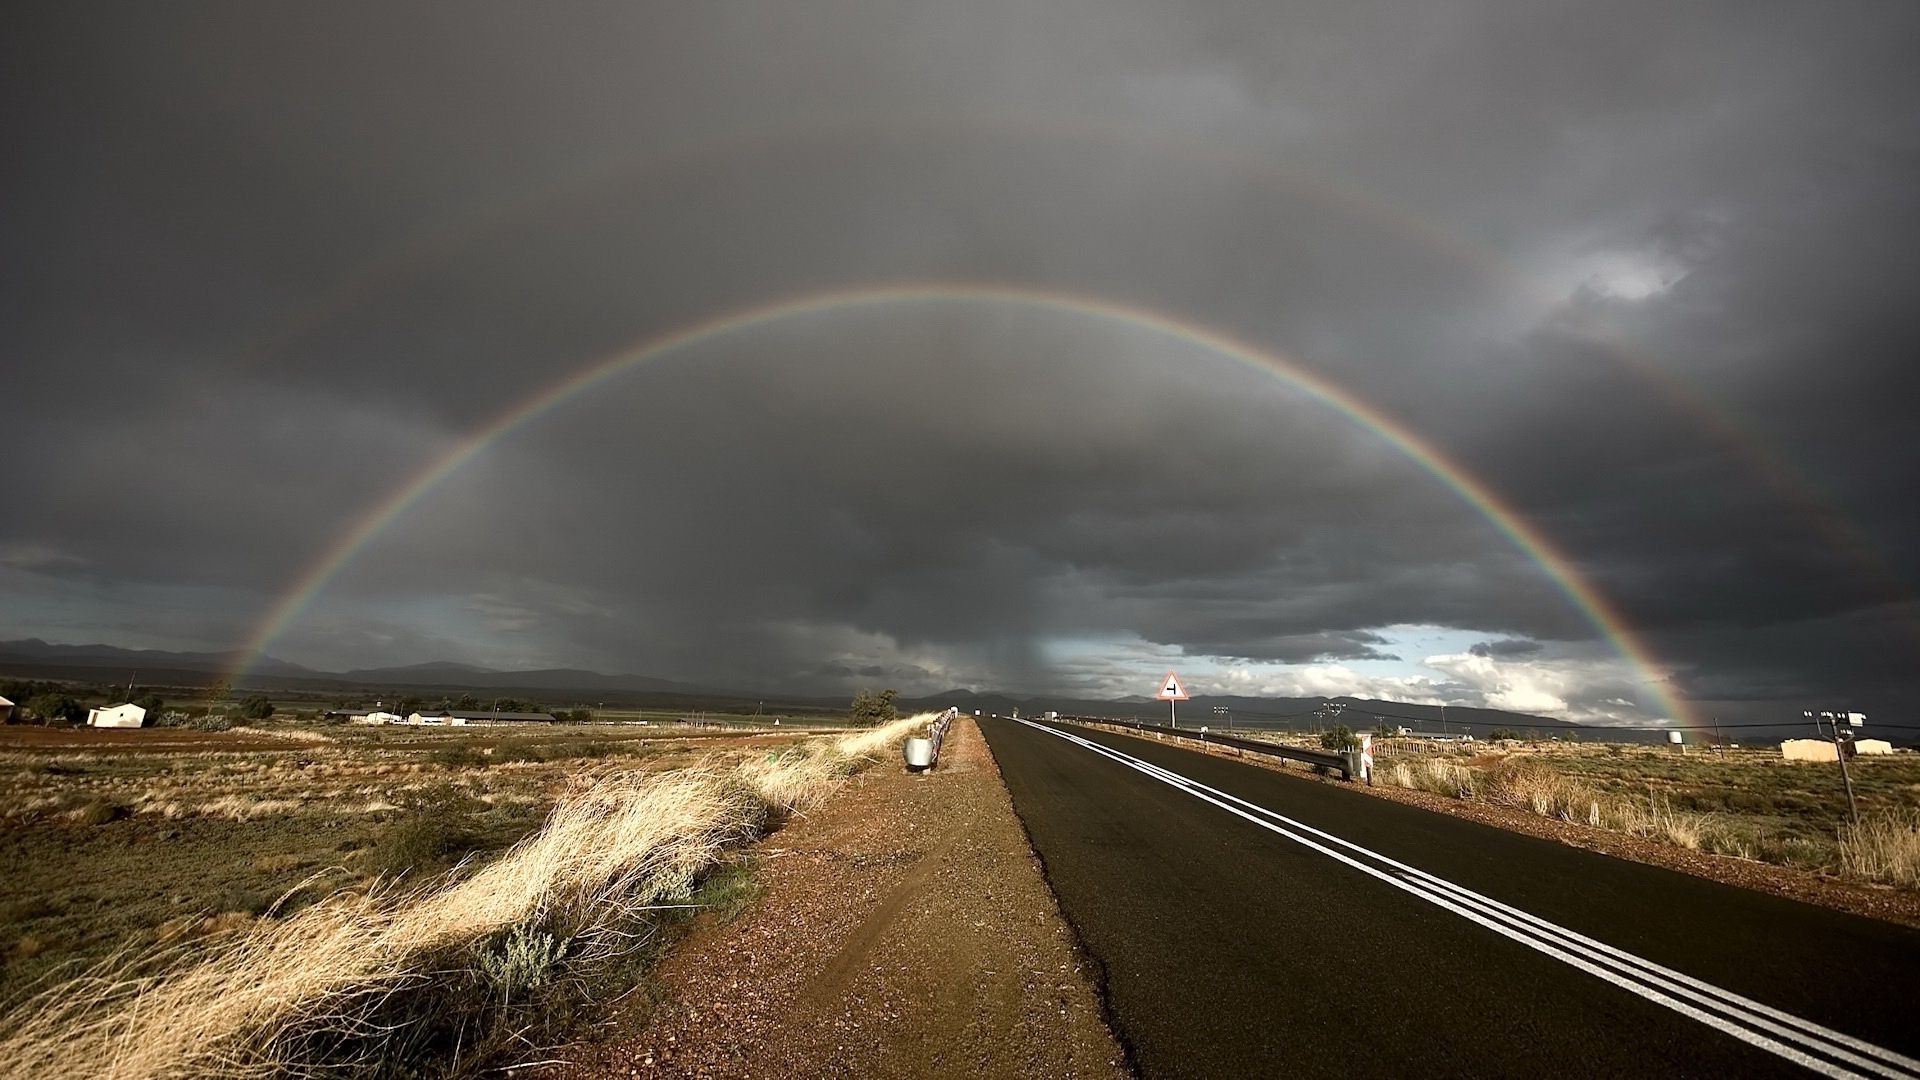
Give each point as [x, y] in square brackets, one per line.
[1555, 563]
[1783, 478]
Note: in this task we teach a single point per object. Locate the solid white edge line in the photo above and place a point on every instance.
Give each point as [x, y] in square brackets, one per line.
[1427, 890]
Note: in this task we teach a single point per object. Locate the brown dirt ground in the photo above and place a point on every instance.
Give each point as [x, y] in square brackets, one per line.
[904, 929]
[1874, 901]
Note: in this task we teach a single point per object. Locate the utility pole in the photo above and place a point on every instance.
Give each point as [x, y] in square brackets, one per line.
[1841, 749]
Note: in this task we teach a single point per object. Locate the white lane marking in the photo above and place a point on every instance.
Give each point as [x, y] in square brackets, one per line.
[1637, 975]
[1619, 959]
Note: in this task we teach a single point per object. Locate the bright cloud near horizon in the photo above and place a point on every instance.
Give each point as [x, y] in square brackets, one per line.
[1642, 273]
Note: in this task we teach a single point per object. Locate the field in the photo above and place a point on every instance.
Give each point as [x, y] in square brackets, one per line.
[1747, 803]
[117, 839]
[369, 902]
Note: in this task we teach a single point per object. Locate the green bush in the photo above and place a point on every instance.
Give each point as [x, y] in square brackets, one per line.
[460, 757]
[424, 842]
[522, 960]
[872, 710]
[1339, 738]
[256, 707]
[520, 751]
[61, 707]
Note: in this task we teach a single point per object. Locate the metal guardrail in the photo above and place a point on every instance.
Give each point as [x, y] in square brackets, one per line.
[924, 754]
[1347, 761]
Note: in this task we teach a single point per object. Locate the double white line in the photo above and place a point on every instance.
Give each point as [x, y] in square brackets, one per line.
[1822, 1049]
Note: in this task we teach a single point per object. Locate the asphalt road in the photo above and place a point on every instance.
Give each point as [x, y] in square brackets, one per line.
[1256, 924]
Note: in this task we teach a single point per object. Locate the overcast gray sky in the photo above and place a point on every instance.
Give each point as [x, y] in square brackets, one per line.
[1646, 271]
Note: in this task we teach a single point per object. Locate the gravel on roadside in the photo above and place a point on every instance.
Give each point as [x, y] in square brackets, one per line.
[902, 929]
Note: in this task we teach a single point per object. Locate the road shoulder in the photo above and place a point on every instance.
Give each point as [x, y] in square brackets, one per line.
[902, 929]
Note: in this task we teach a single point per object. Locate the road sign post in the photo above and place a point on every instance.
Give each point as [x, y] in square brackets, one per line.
[1170, 692]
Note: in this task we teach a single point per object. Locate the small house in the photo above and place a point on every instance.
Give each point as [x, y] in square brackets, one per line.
[6, 711]
[1822, 749]
[1808, 750]
[117, 716]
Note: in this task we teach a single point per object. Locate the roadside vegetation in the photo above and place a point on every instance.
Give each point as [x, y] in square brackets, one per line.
[388, 907]
[1744, 803]
[122, 839]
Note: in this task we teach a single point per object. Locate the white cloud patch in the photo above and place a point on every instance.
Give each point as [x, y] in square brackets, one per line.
[1589, 690]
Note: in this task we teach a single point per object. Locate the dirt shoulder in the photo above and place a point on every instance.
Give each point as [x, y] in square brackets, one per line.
[904, 929]
[1873, 901]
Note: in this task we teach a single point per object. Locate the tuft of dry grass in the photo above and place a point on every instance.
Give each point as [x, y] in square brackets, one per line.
[1437, 775]
[1884, 848]
[259, 1000]
[1658, 819]
[1536, 788]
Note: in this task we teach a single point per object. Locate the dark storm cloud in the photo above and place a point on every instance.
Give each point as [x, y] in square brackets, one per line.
[1505, 647]
[265, 263]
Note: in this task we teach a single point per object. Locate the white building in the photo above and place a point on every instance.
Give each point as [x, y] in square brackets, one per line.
[6, 710]
[1822, 749]
[463, 717]
[379, 718]
[117, 716]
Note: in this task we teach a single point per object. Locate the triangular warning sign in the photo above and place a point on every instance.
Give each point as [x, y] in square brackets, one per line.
[1170, 689]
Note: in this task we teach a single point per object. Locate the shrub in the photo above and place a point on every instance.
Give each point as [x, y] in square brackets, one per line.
[423, 842]
[256, 707]
[50, 707]
[875, 709]
[1339, 738]
[519, 751]
[97, 812]
[460, 757]
[523, 959]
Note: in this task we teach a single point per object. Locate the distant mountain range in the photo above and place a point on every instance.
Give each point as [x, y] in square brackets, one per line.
[154, 667]
[33, 649]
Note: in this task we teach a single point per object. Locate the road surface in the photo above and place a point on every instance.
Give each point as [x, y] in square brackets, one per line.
[1256, 924]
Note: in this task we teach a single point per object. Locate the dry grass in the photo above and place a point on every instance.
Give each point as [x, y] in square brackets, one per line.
[1533, 786]
[1436, 775]
[269, 997]
[1883, 848]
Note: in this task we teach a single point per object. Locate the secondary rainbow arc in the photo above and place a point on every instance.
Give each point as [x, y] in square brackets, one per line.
[1559, 567]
